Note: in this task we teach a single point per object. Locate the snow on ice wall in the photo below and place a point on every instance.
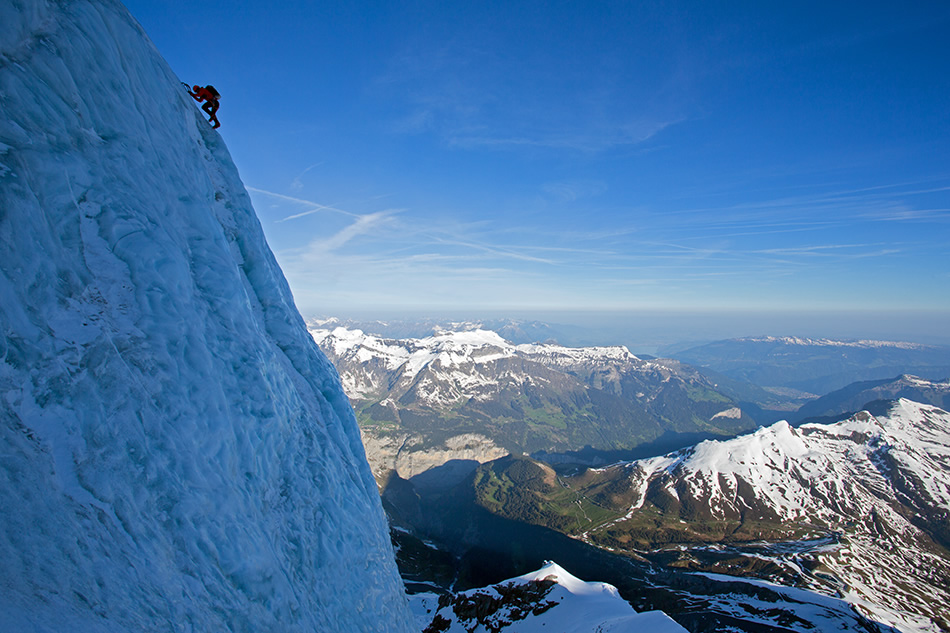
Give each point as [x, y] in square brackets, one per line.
[175, 452]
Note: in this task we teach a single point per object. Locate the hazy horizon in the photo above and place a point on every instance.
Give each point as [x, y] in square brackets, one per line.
[647, 331]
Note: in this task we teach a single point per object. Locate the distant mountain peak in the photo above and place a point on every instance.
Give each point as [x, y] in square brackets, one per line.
[910, 379]
[825, 342]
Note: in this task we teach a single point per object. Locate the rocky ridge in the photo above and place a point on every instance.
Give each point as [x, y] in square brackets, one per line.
[855, 396]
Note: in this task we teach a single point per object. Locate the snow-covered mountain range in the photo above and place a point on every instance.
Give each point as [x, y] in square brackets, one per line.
[177, 454]
[826, 342]
[860, 508]
[452, 352]
[416, 396]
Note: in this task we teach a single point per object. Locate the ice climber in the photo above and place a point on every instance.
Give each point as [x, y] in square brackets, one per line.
[210, 96]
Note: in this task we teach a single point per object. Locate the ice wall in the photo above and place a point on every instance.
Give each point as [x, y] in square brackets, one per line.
[175, 452]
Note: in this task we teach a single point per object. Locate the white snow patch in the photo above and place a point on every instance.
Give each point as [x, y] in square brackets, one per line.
[581, 607]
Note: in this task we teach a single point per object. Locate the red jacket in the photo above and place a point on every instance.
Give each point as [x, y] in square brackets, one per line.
[203, 94]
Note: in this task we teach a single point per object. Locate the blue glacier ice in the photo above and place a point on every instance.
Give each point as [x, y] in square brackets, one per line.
[175, 452]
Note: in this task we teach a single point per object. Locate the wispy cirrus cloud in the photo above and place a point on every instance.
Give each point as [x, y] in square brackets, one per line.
[297, 183]
[901, 213]
[834, 209]
[315, 207]
[496, 251]
[363, 224]
[567, 135]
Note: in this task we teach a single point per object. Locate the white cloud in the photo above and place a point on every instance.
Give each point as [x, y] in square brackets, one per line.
[315, 207]
[362, 225]
[297, 183]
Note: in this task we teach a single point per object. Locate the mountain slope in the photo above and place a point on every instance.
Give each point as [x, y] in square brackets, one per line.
[489, 548]
[860, 507]
[857, 395]
[177, 453]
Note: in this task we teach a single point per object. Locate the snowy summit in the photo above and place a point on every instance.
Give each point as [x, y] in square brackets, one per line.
[550, 599]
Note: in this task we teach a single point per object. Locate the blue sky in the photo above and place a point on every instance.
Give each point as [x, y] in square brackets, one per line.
[677, 156]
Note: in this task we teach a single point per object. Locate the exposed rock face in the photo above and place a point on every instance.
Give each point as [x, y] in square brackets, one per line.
[407, 455]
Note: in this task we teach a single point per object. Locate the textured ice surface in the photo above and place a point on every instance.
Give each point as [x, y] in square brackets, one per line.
[177, 455]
